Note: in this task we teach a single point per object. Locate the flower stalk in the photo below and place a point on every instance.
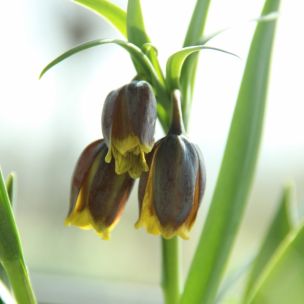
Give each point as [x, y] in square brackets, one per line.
[171, 277]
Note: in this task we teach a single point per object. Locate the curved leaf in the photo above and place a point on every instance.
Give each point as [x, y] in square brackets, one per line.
[135, 24]
[140, 58]
[175, 63]
[283, 279]
[111, 12]
[193, 36]
[265, 18]
[280, 226]
[236, 173]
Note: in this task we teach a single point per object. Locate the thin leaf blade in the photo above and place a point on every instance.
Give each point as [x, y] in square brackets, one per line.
[133, 50]
[111, 12]
[280, 226]
[11, 187]
[283, 279]
[194, 34]
[135, 24]
[236, 173]
[11, 255]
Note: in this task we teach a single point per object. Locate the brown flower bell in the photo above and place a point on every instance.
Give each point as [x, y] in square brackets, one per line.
[170, 193]
[128, 124]
[98, 194]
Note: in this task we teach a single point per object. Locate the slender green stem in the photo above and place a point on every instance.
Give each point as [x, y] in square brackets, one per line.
[20, 281]
[171, 283]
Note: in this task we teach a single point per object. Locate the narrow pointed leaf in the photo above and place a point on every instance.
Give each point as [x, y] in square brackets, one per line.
[132, 49]
[236, 173]
[280, 226]
[135, 24]
[11, 256]
[193, 37]
[283, 279]
[111, 12]
[11, 187]
[264, 18]
[175, 63]
[9, 241]
[136, 32]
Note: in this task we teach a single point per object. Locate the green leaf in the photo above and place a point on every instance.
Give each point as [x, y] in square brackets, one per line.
[236, 173]
[11, 256]
[136, 29]
[111, 12]
[151, 51]
[9, 242]
[265, 18]
[135, 24]
[193, 37]
[11, 187]
[280, 226]
[283, 279]
[132, 49]
[176, 61]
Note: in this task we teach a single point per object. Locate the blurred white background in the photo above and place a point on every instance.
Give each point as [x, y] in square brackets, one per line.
[44, 126]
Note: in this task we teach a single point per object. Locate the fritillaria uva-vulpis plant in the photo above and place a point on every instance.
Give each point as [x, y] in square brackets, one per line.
[170, 170]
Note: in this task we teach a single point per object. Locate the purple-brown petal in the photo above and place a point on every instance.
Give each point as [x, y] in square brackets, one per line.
[141, 109]
[174, 180]
[107, 115]
[82, 169]
[108, 193]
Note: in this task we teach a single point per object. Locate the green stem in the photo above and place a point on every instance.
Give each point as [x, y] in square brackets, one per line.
[20, 281]
[171, 273]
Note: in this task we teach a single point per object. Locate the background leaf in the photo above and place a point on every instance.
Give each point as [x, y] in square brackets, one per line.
[193, 36]
[280, 226]
[283, 280]
[236, 173]
[136, 29]
[111, 12]
[135, 24]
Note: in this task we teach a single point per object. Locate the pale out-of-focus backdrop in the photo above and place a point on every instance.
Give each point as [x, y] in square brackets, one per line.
[44, 126]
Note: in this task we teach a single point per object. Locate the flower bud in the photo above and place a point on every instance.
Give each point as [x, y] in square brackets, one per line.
[98, 194]
[128, 124]
[170, 193]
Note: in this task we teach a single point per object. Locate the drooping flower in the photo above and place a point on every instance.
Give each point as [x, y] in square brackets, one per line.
[128, 124]
[98, 194]
[170, 193]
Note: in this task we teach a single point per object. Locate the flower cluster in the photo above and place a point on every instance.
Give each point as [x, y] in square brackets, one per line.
[171, 171]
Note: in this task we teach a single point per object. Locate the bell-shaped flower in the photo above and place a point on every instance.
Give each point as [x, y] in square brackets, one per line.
[170, 193]
[98, 194]
[128, 124]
